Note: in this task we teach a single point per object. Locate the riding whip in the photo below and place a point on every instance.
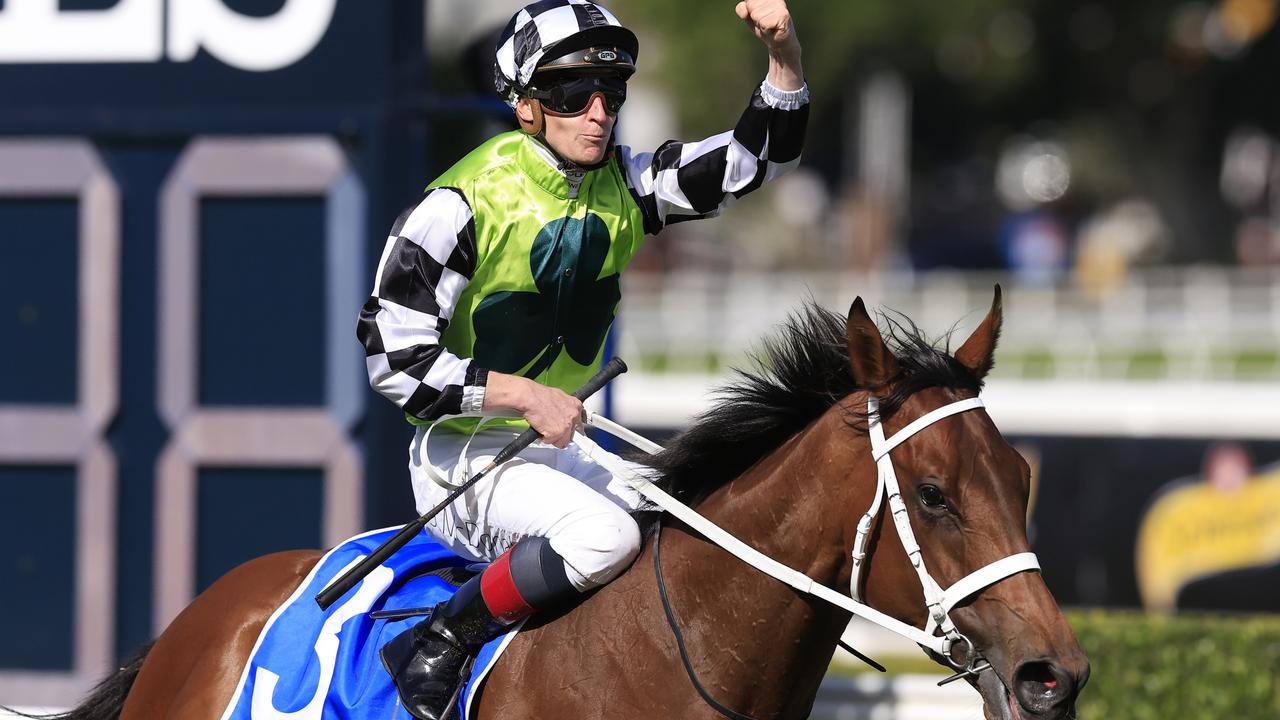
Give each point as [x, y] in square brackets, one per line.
[348, 580]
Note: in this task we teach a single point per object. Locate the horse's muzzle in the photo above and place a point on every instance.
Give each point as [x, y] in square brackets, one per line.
[1045, 689]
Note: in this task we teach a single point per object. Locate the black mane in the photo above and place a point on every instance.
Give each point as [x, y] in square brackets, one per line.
[799, 375]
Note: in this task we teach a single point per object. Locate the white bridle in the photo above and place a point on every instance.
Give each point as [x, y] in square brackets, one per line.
[938, 601]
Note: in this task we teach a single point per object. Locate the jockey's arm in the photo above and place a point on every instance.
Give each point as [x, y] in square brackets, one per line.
[427, 262]
[692, 180]
[770, 20]
[551, 411]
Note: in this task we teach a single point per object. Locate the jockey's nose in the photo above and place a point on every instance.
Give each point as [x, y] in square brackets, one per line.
[596, 109]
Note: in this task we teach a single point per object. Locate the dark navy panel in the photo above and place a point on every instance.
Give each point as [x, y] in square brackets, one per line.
[247, 512]
[87, 4]
[255, 8]
[39, 322]
[37, 564]
[137, 434]
[262, 301]
[364, 85]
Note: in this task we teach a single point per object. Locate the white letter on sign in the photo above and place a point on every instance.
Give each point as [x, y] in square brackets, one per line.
[248, 43]
[36, 31]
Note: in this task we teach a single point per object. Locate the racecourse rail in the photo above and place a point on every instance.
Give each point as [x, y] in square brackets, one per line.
[1174, 352]
[1189, 324]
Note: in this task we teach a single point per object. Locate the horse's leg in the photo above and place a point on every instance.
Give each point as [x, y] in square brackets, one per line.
[196, 662]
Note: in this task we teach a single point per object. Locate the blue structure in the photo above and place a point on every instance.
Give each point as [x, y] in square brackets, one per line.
[192, 197]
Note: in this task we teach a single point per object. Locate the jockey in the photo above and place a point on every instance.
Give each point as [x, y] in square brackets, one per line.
[493, 298]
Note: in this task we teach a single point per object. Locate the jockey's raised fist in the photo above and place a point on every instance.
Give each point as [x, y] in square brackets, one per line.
[770, 20]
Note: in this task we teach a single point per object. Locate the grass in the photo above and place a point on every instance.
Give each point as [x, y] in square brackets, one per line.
[847, 666]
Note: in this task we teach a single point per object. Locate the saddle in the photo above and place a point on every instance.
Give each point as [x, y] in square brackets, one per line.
[325, 663]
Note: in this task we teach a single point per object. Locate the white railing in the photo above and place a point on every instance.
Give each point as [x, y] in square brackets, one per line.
[1192, 323]
[873, 696]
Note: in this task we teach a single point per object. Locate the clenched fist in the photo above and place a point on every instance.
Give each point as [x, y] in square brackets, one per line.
[770, 20]
[551, 411]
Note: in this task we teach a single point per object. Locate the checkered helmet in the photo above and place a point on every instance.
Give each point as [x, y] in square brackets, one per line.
[545, 30]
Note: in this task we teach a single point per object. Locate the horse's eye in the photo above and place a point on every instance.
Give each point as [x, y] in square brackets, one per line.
[931, 496]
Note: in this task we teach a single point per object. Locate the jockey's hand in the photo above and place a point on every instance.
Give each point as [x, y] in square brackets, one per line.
[551, 411]
[770, 20]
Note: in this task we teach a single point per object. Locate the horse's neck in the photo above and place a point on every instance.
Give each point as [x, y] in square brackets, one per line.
[761, 643]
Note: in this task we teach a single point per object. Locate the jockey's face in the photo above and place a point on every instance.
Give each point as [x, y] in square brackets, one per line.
[582, 138]
[578, 111]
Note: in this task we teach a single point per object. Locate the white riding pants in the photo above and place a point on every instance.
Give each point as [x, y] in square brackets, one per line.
[562, 495]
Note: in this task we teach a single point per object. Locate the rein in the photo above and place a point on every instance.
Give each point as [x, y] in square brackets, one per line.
[938, 601]
[675, 630]
[684, 653]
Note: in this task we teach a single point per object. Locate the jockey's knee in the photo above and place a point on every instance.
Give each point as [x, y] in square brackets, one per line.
[597, 551]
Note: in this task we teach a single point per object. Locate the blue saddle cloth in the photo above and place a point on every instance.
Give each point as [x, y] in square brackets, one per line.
[310, 664]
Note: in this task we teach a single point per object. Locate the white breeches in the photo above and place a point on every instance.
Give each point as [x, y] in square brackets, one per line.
[562, 495]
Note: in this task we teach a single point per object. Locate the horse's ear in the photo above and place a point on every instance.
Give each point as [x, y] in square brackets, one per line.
[978, 352]
[872, 363]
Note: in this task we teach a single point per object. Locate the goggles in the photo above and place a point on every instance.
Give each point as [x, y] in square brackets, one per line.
[571, 96]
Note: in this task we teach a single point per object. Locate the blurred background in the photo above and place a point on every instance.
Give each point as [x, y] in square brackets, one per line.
[193, 195]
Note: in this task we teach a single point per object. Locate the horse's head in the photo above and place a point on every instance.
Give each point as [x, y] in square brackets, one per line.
[965, 491]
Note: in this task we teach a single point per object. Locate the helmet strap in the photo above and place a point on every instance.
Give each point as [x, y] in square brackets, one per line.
[537, 124]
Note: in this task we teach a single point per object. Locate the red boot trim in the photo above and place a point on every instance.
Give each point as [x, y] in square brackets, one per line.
[500, 594]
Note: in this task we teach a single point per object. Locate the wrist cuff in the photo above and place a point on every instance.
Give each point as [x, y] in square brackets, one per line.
[473, 389]
[784, 99]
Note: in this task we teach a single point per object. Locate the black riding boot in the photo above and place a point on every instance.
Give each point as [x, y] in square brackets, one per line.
[431, 660]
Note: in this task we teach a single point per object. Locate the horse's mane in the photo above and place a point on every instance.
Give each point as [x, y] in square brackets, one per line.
[800, 373]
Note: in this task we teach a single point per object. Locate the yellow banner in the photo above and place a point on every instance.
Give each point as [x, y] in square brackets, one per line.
[1196, 530]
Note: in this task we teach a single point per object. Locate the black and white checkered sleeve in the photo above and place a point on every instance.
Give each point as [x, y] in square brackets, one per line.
[689, 181]
[428, 260]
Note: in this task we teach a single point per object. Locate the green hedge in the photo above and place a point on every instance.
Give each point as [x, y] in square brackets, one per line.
[1183, 667]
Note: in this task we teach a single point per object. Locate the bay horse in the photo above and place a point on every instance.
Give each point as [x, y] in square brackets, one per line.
[784, 463]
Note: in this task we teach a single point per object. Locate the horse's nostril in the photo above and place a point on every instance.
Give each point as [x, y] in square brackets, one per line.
[1041, 686]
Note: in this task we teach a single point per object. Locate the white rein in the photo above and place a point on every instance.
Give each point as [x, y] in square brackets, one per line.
[938, 601]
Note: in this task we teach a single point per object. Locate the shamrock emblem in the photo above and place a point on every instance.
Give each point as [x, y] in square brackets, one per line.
[571, 310]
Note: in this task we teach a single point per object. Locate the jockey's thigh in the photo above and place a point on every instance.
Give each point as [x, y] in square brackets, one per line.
[563, 495]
